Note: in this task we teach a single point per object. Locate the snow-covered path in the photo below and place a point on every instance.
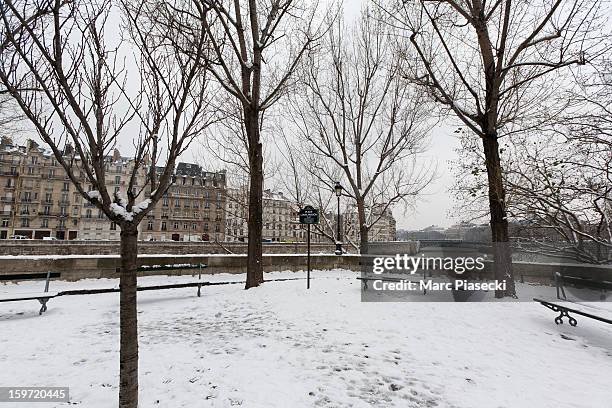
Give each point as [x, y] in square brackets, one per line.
[283, 346]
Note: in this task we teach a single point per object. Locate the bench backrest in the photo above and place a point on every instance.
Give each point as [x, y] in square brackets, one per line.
[173, 267]
[29, 276]
[586, 282]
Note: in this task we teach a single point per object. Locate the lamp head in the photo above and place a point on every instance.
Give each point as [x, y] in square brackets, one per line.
[338, 189]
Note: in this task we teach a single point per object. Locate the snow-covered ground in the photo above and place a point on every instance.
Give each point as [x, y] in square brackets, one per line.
[283, 346]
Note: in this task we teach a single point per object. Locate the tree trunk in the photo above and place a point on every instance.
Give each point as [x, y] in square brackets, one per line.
[255, 222]
[499, 221]
[363, 229]
[128, 354]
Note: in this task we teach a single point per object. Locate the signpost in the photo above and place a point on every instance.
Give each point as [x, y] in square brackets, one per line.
[308, 215]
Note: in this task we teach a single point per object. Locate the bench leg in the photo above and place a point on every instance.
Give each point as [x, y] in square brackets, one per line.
[43, 308]
[564, 313]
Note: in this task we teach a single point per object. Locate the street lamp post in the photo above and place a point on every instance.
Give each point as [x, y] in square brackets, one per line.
[338, 190]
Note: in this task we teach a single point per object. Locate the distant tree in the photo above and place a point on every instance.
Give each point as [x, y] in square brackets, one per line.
[362, 122]
[10, 116]
[69, 83]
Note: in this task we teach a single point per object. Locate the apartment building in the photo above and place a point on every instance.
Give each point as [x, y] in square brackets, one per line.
[93, 222]
[280, 218]
[38, 200]
[193, 209]
[383, 229]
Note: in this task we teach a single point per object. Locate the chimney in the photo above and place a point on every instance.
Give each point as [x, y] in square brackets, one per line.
[30, 144]
[68, 149]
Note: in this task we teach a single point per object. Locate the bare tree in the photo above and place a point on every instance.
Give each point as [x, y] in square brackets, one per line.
[489, 63]
[257, 47]
[559, 180]
[363, 121]
[70, 85]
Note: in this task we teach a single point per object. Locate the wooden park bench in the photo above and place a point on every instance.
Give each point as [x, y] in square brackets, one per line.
[42, 297]
[151, 268]
[175, 267]
[564, 306]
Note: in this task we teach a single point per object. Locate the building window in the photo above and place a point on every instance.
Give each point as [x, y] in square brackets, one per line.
[113, 226]
[150, 226]
[163, 226]
[5, 223]
[87, 213]
[25, 222]
[117, 179]
[185, 226]
[66, 187]
[194, 226]
[45, 223]
[176, 225]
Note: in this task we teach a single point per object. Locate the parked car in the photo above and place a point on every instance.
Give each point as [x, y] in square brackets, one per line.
[49, 239]
[18, 237]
